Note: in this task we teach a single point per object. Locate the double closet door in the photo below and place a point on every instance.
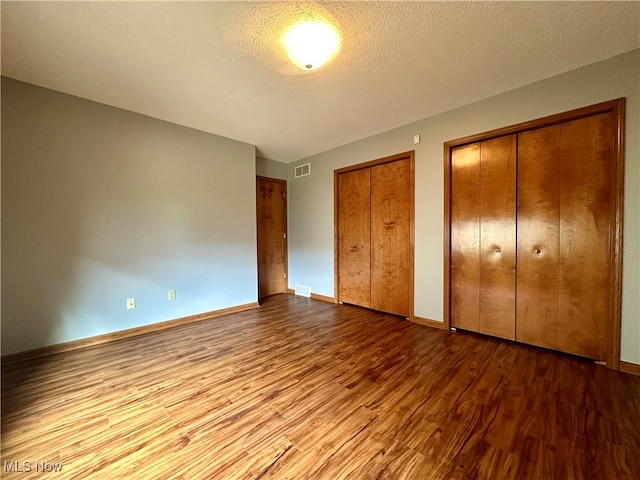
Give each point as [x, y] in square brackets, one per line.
[535, 233]
[374, 234]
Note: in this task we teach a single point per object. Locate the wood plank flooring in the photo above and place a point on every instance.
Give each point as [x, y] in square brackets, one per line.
[302, 389]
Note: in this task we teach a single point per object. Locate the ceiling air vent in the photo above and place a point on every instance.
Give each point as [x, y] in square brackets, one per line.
[303, 170]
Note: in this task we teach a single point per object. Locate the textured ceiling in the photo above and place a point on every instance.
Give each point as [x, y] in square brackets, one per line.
[218, 66]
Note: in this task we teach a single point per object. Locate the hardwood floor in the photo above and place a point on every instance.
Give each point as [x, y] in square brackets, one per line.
[302, 389]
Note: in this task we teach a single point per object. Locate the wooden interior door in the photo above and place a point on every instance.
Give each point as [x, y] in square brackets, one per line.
[566, 178]
[271, 210]
[354, 236]
[391, 246]
[483, 237]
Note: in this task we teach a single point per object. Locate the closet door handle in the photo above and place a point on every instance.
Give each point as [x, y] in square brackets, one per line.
[496, 250]
[361, 246]
[379, 247]
[537, 250]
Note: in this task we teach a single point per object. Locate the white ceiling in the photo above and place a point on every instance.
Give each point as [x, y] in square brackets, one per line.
[218, 66]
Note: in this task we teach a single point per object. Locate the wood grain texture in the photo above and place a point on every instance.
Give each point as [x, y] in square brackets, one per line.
[628, 367]
[565, 263]
[538, 234]
[498, 237]
[585, 227]
[391, 237]
[271, 213]
[465, 238]
[483, 237]
[302, 389]
[354, 237]
[428, 322]
[323, 298]
[121, 334]
[542, 231]
[387, 247]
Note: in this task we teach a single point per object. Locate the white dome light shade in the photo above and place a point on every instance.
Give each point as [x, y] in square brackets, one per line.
[310, 44]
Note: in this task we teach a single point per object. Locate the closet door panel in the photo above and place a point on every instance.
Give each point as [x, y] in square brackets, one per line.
[354, 229]
[498, 236]
[586, 202]
[465, 237]
[391, 257]
[565, 205]
[538, 227]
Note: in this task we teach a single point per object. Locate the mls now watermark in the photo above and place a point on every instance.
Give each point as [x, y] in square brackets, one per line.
[27, 466]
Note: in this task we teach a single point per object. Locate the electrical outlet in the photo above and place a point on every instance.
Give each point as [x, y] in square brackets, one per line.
[131, 303]
[171, 294]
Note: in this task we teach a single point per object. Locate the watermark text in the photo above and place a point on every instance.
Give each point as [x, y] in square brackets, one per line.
[31, 466]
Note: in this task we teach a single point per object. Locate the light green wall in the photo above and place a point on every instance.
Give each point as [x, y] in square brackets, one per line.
[101, 204]
[271, 168]
[311, 198]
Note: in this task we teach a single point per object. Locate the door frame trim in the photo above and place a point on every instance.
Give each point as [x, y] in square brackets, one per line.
[617, 107]
[410, 155]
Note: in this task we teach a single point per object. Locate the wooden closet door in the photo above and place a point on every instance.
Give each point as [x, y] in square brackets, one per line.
[354, 237]
[483, 237]
[391, 246]
[566, 175]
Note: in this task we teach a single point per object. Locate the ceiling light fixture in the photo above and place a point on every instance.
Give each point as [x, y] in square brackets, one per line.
[311, 44]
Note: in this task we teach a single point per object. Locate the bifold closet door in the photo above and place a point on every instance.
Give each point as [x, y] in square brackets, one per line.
[354, 237]
[391, 258]
[483, 237]
[566, 200]
[374, 234]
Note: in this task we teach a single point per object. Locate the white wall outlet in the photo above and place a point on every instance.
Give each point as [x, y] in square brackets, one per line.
[171, 294]
[131, 303]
